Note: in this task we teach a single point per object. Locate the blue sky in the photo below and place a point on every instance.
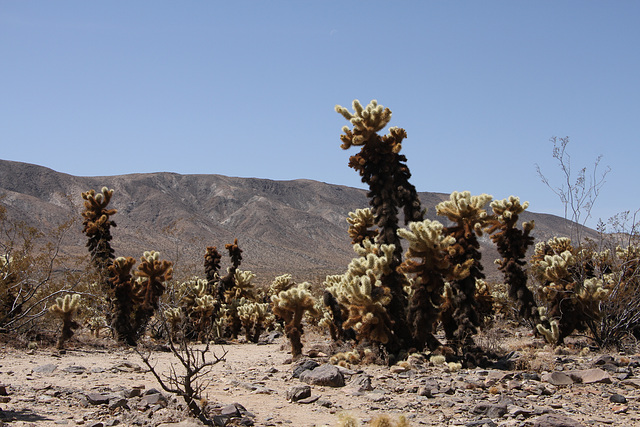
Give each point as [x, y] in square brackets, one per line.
[248, 88]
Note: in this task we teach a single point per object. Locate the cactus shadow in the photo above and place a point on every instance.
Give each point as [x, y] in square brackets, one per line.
[26, 415]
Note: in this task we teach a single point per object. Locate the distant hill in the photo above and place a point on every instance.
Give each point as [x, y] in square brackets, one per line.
[295, 227]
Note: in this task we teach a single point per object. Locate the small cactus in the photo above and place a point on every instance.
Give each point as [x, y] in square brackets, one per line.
[65, 307]
[290, 306]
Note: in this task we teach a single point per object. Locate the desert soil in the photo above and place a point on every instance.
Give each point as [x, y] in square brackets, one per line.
[542, 387]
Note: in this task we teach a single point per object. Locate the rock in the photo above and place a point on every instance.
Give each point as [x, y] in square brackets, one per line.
[555, 420]
[298, 392]
[117, 402]
[154, 399]
[127, 367]
[603, 360]
[305, 365]
[309, 399]
[633, 382]
[45, 369]
[487, 422]
[325, 375]
[617, 398]
[230, 410]
[3, 390]
[185, 423]
[361, 383]
[591, 376]
[98, 398]
[425, 391]
[74, 369]
[557, 378]
[491, 410]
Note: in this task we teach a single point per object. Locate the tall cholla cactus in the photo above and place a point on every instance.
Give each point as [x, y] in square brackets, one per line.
[383, 168]
[512, 244]
[469, 216]
[430, 247]
[65, 308]
[97, 225]
[290, 306]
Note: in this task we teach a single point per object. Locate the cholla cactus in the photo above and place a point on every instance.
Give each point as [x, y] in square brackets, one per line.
[512, 243]
[243, 288]
[430, 247]
[97, 225]
[153, 273]
[469, 217]
[65, 308]
[366, 300]
[384, 169]
[290, 306]
[255, 318]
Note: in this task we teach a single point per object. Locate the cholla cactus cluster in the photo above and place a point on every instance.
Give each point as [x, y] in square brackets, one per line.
[65, 308]
[469, 217]
[427, 259]
[573, 285]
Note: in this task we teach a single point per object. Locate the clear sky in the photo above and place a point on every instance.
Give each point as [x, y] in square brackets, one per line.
[248, 88]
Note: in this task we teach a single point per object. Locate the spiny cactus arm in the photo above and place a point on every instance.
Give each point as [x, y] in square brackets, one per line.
[212, 263]
[552, 334]
[153, 273]
[120, 271]
[465, 210]
[66, 305]
[366, 122]
[360, 223]
[281, 283]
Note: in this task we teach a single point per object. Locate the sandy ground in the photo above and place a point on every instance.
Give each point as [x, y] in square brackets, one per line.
[258, 377]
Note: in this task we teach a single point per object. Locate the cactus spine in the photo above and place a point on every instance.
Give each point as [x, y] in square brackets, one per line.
[65, 308]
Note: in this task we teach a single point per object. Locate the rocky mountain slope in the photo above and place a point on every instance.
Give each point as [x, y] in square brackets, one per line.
[295, 227]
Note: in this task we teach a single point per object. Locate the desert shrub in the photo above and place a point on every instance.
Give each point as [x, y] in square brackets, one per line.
[33, 273]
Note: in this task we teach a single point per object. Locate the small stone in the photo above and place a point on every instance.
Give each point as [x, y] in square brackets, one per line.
[557, 378]
[617, 398]
[325, 375]
[97, 398]
[298, 392]
[74, 369]
[305, 365]
[308, 400]
[591, 376]
[154, 399]
[117, 402]
[555, 420]
[425, 391]
[45, 369]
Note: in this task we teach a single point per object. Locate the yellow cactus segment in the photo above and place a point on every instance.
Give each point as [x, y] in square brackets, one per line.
[366, 121]
[427, 242]
[66, 305]
[281, 283]
[254, 313]
[593, 289]
[151, 256]
[505, 209]
[205, 304]
[173, 315]
[294, 299]
[463, 207]
[551, 334]
[556, 267]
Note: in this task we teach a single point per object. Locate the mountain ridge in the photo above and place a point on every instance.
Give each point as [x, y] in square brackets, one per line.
[296, 226]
